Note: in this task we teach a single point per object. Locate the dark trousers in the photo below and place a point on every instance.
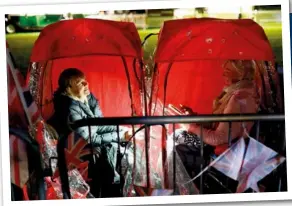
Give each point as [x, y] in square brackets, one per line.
[191, 157]
[102, 173]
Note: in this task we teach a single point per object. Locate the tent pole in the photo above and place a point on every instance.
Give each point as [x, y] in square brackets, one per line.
[147, 129]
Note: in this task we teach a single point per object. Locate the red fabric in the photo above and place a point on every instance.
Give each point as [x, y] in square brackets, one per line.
[194, 50]
[196, 76]
[107, 81]
[220, 149]
[103, 50]
[77, 37]
[209, 38]
[17, 116]
[54, 190]
[18, 161]
[25, 193]
[194, 84]
[51, 193]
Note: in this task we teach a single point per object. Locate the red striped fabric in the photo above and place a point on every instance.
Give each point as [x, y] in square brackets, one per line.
[17, 90]
[18, 161]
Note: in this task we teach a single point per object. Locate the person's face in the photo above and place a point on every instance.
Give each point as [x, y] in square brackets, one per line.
[79, 87]
[229, 73]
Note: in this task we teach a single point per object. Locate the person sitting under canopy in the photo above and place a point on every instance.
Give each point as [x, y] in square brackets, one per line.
[73, 101]
[240, 95]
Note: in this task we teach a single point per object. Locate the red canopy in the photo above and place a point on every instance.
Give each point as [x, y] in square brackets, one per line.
[108, 52]
[188, 66]
[190, 55]
[210, 38]
[80, 37]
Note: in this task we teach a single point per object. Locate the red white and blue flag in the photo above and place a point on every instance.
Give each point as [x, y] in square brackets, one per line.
[247, 164]
[75, 150]
[20, 100]
[18, 161]
[22, 113]
[229, 163]
[259, 161]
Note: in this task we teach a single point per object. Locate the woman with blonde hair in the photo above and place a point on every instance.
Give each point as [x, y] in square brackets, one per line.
[241, 95]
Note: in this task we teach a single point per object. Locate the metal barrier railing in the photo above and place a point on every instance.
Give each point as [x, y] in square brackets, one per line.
[163, 120]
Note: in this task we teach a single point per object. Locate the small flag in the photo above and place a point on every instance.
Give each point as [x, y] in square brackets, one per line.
[20, 101]
[230, 162]
[249, 168]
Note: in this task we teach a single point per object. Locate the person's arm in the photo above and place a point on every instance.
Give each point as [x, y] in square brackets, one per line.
[107, 130]
[99, 134]
[113, 136]
[220, 135]
[74, 115]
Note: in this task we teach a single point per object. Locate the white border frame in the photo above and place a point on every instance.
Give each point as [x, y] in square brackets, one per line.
[110, 5]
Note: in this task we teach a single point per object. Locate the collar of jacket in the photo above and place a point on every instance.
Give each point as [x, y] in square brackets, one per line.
[84, 106]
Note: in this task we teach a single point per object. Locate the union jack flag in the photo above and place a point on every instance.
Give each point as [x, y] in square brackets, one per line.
[20, 101]
[18, 161]
[22, 112]
[229, 163]
[247, 164]
[77, 147]
[258, 162]
[17, 116]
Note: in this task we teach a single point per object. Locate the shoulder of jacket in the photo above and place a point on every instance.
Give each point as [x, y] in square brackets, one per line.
[243, 98]
[74, 105]
[92, 98]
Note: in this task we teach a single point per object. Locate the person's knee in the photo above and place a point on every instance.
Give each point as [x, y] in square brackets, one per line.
[113, 148]
[115, 145]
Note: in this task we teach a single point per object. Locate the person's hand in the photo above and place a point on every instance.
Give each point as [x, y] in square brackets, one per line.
[187, 110]
[127, 136]
[184, 126]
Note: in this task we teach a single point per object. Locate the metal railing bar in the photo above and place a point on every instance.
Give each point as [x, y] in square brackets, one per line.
[91, 145]
[63, 168]
[229, 144]
[119, 160]
[174, 158]
[257, 130]
[229, 133]
[158, 120]
[147, 146]
[202, 160]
